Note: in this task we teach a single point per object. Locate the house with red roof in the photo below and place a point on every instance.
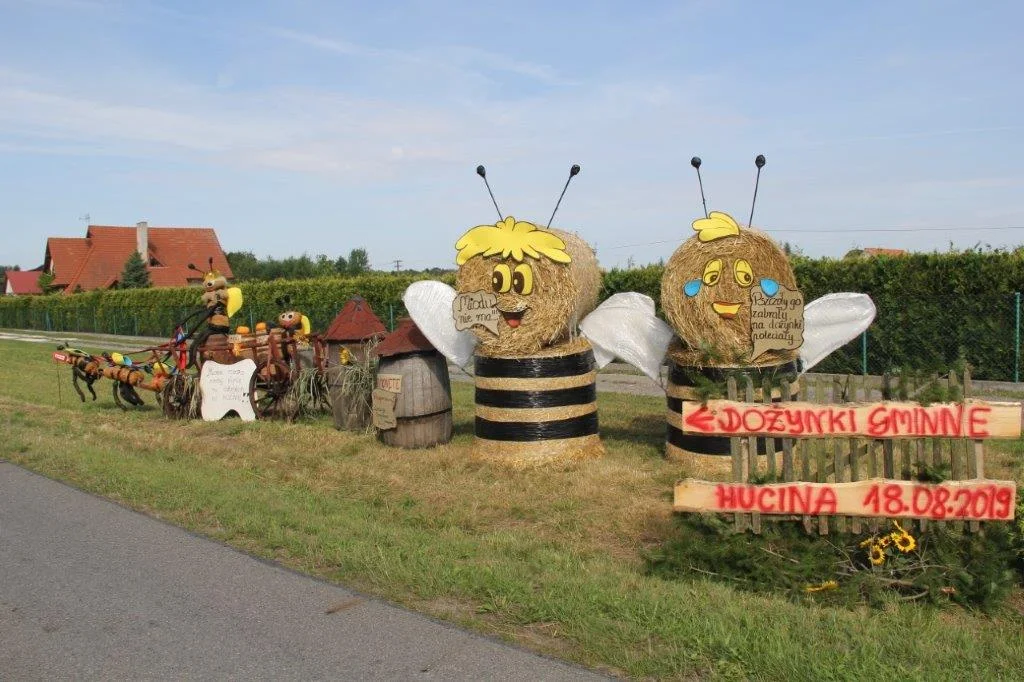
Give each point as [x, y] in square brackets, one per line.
[22, 282]
[97, 260]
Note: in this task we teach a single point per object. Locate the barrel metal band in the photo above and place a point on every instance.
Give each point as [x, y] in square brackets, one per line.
[534, 367]
[580, 395]
[531, 431]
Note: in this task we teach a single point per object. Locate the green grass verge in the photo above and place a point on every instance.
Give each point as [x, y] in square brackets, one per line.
[552, 559]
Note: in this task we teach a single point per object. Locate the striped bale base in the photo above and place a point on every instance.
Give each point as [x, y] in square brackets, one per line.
[708, 454]
[537, 409]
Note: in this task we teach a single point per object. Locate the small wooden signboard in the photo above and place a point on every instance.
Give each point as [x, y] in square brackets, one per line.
[974, 420]
[972, 500]
[390, 382]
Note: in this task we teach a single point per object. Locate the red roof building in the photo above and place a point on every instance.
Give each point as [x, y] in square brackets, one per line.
[22, 282]
[407, 338]
[874, 251]
[355, 323]
[97, 260]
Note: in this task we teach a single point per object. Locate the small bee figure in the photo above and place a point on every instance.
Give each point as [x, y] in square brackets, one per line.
[221, 303]
[295, 325]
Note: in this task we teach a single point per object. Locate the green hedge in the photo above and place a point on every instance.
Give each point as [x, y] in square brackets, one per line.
[933, 309]
[154, 312]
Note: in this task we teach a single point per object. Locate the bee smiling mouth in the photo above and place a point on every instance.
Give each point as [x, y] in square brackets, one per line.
[726, 310]
[513, 318]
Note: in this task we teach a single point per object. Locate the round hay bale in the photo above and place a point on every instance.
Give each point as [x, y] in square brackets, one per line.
[561, 295]
[538, 409]
[710, 338]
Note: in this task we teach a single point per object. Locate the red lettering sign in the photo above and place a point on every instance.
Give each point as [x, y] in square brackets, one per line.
[973, 419]
[967, 500]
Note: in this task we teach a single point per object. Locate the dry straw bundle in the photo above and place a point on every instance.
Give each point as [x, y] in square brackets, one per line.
[708, 338]
[562, 294]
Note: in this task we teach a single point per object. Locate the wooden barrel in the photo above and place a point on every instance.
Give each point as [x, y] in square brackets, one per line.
[350, 404]
[423, 407]
[683, 385]
[537, 409]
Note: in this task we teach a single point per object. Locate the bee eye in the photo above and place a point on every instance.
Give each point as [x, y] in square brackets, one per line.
[501, 278]
[522, 279]
[712, 272]
[743, 272]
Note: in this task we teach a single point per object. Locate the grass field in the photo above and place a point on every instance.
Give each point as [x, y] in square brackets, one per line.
[551, 559]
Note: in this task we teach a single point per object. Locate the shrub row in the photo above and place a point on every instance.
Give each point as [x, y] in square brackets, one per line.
[933, 309]
[154, 312]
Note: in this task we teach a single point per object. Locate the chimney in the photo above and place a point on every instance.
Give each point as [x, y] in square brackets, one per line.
[142, 240]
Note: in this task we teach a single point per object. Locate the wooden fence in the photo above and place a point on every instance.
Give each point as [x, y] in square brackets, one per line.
[844, 460]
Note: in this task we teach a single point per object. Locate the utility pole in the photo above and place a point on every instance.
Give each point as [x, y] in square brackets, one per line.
[398, 265]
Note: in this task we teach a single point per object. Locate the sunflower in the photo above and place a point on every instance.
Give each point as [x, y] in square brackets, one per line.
[904, 542]
[886, 540]
[877, 555]
[868, 542]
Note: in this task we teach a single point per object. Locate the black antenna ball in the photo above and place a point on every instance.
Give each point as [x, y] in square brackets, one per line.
[575, 170]
[759, 161]
[481, 171]
[695, 162]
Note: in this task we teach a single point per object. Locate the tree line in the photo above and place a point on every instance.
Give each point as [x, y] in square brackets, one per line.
[246, 267]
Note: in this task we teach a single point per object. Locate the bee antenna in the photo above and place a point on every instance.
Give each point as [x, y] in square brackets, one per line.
[695, 162]
[482, 172]
[211, 263]
[759, 162]
[573, 172]
[192, 266]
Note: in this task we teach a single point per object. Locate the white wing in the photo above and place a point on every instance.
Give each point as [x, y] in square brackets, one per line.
[625, 327]
[430, 305]
[831, 322]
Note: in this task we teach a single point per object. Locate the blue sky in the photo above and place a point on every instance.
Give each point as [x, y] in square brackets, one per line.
[318, 126]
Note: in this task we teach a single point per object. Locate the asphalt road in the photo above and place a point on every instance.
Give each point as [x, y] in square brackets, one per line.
[89, 589]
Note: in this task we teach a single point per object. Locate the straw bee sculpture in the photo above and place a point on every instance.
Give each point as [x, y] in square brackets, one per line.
[730, 296]
[521, 293]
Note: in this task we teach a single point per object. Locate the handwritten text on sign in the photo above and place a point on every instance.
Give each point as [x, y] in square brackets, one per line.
[776, 322]
[390, 382]
[974, 420]
[971, 500]
[476, 308]
[225, 388]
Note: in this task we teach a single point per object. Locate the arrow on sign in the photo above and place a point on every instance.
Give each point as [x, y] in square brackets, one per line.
[701, 420]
